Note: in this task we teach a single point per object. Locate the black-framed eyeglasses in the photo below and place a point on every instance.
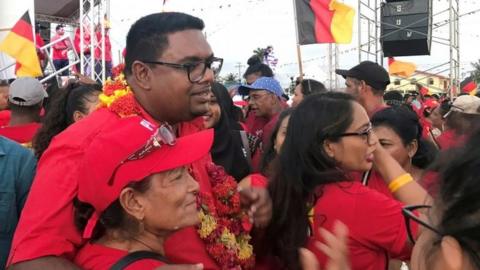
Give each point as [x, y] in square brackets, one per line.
[164, 135]
[195, 70]
[366, 134]
[410, 216]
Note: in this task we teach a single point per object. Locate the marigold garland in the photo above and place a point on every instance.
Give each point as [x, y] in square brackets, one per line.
[118, 97]
[224, 227]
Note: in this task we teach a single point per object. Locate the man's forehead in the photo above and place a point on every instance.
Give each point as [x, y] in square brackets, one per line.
[187, 44]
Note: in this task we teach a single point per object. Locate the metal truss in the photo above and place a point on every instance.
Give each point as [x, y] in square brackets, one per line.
[92, 14]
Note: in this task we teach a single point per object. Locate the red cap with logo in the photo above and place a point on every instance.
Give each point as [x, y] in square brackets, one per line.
[128, 151]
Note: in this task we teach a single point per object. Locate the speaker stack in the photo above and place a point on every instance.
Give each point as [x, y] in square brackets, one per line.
[406, 27]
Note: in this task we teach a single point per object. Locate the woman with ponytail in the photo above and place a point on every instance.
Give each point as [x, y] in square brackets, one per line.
[69, 105]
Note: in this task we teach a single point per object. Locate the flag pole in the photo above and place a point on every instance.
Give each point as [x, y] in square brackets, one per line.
[299, 49]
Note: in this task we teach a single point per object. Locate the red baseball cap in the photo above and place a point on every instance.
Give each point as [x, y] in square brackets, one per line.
[128, 151]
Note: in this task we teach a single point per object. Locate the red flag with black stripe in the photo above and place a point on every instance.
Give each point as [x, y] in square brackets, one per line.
[323, 21]
[469, 86]
[19, 44]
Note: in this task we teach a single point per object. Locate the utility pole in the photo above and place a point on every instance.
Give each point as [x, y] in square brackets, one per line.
[239, 66]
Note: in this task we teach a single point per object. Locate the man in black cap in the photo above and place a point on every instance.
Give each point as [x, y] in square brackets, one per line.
[367, 82]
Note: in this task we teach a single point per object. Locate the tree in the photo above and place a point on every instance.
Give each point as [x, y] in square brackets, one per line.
[231, 78]
[260, 52]
[476, 71]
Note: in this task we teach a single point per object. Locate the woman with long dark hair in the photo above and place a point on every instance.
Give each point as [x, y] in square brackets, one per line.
[229, 149]
[69, 105]
[328, 137]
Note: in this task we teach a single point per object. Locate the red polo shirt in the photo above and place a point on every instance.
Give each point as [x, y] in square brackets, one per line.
[97, 257]
[22, 134]
[377, 229]
[46, 226]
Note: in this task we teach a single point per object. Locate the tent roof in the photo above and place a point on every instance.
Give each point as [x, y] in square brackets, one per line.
[57, 8]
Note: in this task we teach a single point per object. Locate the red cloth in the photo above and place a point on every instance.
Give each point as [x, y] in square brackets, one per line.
[430, 183]
[265, 132]
[5, 117]
[255, 124]
[375, 182]
[108, 47]
[39, 43]
[21, 133]
[59, 49]
[99, 257]
[448, 139]
[375, 222]
[86, 41]
[46, 226]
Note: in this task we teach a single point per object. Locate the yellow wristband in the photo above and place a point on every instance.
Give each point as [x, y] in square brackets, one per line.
[399, 182]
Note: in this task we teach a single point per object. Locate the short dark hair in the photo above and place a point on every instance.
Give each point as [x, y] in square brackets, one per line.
[33, 110]
[60, 26]
[393, 98]
[310, 86]
[4, 83]
[147, 38]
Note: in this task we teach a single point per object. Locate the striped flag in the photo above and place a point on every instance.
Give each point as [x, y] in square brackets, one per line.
[324, 21]
[469, 86]
[19, 45]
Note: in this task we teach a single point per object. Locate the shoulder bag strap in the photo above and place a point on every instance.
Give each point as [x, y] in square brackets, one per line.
[130, 258]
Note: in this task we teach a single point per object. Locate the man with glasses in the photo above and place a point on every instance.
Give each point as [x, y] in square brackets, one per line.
[367, 82]
[170, 68]
[265, 101]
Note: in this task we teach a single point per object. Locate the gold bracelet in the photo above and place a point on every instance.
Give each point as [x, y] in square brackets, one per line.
[399, 182]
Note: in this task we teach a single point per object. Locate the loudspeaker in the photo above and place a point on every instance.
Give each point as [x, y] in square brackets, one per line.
[406, 27]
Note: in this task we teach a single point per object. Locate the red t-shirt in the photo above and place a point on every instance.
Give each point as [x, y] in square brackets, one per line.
[377, 229]
[46, 225]
[448, 139]
[59, 49]
[22, 134]
[108, 47]
[99, 257]
[5, 117]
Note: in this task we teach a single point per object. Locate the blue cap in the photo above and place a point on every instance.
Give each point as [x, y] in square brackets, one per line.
[263, 83]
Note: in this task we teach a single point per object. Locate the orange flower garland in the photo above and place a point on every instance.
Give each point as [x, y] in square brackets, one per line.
[224, 227]
[118, 97]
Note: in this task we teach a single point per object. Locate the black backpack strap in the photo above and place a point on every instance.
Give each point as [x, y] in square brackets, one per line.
[130, 258]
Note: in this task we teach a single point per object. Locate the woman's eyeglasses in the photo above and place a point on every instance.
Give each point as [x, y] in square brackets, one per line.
[410, 218]
[366, 134]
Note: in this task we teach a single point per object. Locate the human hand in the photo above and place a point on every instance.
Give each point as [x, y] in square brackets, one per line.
[258, 203]
[335, 246]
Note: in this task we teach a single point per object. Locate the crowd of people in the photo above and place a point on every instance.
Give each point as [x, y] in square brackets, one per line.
[159, 169]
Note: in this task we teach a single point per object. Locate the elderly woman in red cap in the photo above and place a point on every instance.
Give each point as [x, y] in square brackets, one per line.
[135, 192]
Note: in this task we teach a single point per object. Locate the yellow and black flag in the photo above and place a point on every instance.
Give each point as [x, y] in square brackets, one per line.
[19, 45]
